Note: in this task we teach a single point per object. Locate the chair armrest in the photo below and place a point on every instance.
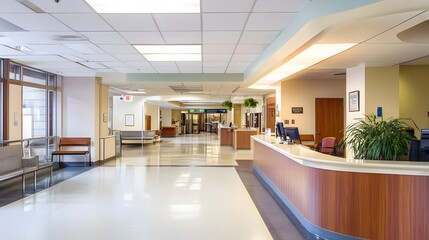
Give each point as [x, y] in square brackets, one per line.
[30, 161]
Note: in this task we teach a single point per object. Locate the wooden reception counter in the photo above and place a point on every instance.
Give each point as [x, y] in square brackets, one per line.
[238, 138]
[339, 198]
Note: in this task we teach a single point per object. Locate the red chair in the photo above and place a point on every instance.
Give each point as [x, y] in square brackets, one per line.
[327, 146]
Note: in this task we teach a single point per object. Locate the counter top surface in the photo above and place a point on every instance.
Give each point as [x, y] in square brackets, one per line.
[311, 158]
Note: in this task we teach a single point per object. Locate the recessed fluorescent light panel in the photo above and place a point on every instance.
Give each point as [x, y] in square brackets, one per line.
[145, 6]
[310, 56]
[177, 53]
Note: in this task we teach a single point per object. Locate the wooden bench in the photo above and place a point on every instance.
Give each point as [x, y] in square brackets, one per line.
[75, 142]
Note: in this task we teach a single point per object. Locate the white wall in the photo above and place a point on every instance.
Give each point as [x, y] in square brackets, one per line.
[135, 108]
[355, 78]
[153, 111]
[79, 114]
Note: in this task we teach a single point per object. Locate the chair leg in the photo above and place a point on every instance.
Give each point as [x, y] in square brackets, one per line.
[23, 183]
[35, 181]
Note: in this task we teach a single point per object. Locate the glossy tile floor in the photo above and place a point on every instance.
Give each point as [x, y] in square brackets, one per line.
[140, 196]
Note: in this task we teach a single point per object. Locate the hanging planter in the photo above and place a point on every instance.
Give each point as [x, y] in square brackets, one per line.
[227, 104]
[250, 103]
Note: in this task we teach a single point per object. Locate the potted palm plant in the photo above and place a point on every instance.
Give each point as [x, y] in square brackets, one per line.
[227, 104]
[375, 139]
[250, 103]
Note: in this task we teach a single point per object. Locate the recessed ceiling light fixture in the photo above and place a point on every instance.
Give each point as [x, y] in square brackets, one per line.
[310, 56]
[155, 53]
[145, 6]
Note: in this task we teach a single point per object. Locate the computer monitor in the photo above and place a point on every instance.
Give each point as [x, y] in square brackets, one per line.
[280, 131]
[293, 134]
[424, 145]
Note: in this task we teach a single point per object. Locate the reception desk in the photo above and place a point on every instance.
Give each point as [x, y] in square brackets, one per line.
[238, 138]
[340, 198]
[169, 131]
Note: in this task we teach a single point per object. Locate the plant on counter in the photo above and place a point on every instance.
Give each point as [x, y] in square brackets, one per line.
[250, 103]
[227, 104]
[370, 138]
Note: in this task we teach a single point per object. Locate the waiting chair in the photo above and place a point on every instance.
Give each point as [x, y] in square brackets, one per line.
[327, 146]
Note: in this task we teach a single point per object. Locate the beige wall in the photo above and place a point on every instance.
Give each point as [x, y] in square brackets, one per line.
[414, 97]
[382, 90]
[302, 93]
[104, 109]
[15, 111]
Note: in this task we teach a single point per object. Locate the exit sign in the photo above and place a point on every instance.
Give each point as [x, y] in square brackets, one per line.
[128, 98]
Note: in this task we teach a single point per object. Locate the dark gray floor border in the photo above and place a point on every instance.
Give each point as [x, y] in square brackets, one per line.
[290, 209]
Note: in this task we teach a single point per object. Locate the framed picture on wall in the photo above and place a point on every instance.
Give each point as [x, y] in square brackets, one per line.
[129, 119]
[354, 101]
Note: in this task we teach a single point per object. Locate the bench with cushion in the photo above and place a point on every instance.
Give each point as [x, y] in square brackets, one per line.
[12, 164]
[147, 135]
[74, 146]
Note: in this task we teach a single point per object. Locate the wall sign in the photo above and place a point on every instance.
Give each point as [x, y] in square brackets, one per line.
[129, 119]
[354, 101]
[297, 110]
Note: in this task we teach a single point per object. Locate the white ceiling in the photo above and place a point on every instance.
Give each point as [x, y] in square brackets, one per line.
[69, 38]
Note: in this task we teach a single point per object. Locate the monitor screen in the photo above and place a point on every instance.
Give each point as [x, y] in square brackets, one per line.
[293, 134]
[281, 131]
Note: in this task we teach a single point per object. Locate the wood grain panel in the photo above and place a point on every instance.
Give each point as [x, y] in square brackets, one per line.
[365, 205]
[243, 138]
[226, 136]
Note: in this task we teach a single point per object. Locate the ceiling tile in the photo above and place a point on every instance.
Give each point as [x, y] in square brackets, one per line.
[269, 21]
[227, 5]
[12, 6]
[114, 64]
[84, 22]
[182, 37]
[218, 48]
[36, 22]
[131, 22]
[51, 49]
[63, 6]
[213, 70]
[93, 65]
[189, 64]
[254, 48]
[221, 37]
[104, 37]
[279, 5]
[217, 57]
[167, 69]
[134, 70]
[215, 64]
[239, 57]
[143, 37]
[99, 57]
[129, 57]
[113, 48]
[224, 21]
[31, 60]
[164, 64]
[258, 37]
[141, 64]
[9, 51]
[239, 64]
[178, 22]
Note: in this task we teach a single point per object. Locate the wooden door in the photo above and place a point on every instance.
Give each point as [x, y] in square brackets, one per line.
[148, 120]
[237, 115]
[329, 118]
[270, 114]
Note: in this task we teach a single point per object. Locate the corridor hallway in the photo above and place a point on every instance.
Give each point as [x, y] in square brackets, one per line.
[182, 188]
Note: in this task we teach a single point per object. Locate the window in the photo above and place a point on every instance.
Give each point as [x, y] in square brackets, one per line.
[34, 112]
[33, 76]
